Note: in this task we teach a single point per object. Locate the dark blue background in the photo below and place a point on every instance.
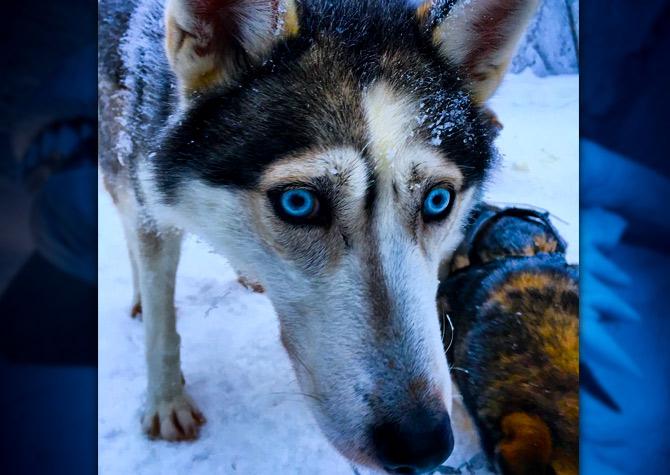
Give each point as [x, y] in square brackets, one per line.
[48, 394]
[48, 300]
[625, 190]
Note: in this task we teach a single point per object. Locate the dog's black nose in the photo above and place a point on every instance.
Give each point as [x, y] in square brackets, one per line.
[419, 444]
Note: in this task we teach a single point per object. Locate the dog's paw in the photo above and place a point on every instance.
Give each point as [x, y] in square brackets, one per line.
[175, 420]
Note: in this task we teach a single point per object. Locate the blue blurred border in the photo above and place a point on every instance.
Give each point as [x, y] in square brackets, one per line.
[625, 188]
[48, 295]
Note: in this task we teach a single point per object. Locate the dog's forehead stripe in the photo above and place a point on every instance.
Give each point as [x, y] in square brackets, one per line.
[395, 145]
[391, 119]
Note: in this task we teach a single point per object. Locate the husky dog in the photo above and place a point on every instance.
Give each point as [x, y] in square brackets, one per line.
[330, 150]
[514, 305]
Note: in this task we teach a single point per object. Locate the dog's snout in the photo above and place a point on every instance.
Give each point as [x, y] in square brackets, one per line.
[417, 444]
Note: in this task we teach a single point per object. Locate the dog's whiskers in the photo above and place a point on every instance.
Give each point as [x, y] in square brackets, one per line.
[444, 329]
[307, 368]
[298, 393]
[456, 368]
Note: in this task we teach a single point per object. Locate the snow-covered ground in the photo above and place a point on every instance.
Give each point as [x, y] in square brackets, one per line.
[235, 367]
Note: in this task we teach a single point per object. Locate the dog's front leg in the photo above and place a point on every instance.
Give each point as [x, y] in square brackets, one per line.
[170, 413]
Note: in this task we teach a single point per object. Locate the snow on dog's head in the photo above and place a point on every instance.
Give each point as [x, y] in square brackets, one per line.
[335, 165]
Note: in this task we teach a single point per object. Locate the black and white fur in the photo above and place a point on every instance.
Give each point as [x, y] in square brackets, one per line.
[207, 107]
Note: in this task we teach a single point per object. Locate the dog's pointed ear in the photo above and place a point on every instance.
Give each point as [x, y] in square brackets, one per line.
[208, 42]
[479, 36]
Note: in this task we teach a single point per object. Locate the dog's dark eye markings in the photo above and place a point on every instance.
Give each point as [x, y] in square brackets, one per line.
[437, 203]
[299, 206]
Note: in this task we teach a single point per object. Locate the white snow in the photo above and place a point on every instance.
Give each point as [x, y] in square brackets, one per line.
[235, 367]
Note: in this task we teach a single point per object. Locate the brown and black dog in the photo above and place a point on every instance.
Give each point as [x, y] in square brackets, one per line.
[513, 303]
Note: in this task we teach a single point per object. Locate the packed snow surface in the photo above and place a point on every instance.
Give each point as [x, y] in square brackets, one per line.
[235, 367]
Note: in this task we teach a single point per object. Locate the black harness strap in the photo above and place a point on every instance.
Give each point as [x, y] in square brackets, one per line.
[489, 216]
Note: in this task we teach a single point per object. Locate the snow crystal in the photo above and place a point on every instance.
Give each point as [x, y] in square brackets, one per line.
[444, 115]
[281, 18]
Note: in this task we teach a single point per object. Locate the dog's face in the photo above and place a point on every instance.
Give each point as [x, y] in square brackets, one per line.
[335, 166]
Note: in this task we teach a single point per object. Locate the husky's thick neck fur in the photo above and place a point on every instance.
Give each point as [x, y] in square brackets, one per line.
[212, 111]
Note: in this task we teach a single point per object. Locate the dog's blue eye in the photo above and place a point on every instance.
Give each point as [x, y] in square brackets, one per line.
[299, 203]
[437, 203]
